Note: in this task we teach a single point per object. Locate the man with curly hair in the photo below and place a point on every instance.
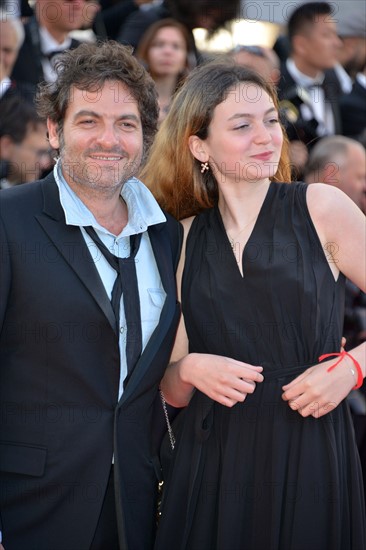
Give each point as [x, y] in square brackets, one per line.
[88, 315]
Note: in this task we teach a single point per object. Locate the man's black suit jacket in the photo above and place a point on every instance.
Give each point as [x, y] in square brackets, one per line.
[61, 422]
[353, 111]
[300, 129]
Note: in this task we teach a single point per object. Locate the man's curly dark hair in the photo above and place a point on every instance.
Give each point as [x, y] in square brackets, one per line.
[88, 67]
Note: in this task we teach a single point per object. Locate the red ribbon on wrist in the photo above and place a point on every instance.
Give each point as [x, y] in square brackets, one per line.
[341, 356]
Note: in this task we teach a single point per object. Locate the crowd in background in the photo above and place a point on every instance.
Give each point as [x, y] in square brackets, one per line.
[319, 69]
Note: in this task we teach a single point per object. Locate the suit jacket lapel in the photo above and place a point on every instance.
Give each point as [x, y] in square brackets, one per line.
[71, 245]
[161, 247]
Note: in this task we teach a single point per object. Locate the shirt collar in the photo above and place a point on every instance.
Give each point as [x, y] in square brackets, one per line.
[143, 210]
[361, 79]
[5, 184]
[5, 84]
[302, 79]
[49, 44]
[344, 79]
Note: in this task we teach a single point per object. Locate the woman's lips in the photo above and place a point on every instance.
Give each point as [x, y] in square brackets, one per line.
[263, 156]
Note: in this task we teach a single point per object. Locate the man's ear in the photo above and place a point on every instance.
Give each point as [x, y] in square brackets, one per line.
[196, 146]
[7, 146]
[299, 44]
[52, 128]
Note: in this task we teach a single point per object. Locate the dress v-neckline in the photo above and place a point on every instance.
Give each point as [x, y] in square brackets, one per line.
[252, 233]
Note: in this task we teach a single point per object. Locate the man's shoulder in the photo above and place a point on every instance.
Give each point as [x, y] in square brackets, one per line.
[358, 92]
[285, 78]
[171, 221]
[172, 225]
[174, 231]
[25, 194]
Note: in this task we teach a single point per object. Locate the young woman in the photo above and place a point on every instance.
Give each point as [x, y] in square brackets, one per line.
[265, 457]
[165, 52]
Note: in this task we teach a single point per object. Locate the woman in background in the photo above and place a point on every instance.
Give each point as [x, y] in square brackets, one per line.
[165, 52]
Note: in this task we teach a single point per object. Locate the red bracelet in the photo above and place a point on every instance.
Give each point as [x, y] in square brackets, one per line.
[341, 356]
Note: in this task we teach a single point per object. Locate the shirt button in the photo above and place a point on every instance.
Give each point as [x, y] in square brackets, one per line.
[122, 329]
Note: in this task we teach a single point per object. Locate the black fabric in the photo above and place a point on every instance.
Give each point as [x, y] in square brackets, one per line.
[353, 112]
[136, 24]
[125, 285]
[106, 534]
[111, 17]
[298, 128]
[66, 356]
[259, 476]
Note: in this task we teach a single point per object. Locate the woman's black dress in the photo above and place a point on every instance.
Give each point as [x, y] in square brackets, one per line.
[259, 476]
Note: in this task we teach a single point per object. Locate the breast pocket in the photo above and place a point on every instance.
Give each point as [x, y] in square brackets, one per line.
[151, 308]
[157, 297]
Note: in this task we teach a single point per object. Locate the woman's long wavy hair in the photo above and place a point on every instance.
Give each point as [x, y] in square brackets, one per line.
[172, 173]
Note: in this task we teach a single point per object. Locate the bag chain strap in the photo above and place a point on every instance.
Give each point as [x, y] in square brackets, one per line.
[170, 430]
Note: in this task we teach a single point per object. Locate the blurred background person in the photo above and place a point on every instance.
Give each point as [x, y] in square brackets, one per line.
[351, 29]
[12, 37]
[24, 147]
[86, 31]
[102, 20]
[258, 58]
[351, 57]
[207, 14]
[353, 109]
[341, 161]
[112, 16]
[16, 8]
[46, 35]
[164, 51]
[309, 98]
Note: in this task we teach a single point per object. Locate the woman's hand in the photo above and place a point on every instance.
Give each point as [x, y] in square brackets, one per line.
[223, 379]
[316, 391]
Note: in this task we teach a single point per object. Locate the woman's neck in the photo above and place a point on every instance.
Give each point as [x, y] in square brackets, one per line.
[165, 86]
[241, 203]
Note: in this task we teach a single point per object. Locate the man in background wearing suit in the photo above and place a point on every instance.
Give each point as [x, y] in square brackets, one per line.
[353, 109]
[46, 35]
[309, 102]
[24, 147]
[80, 363]
[12, 36]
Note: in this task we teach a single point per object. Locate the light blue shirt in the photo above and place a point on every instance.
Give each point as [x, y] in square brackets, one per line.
[143, 211]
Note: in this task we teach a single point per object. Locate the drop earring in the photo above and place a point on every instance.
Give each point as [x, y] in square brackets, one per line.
[204, 167]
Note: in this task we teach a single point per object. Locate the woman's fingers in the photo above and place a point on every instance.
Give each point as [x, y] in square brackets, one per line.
[225, 380]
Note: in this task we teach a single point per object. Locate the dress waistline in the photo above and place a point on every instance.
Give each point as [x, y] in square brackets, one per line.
[283, 372]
